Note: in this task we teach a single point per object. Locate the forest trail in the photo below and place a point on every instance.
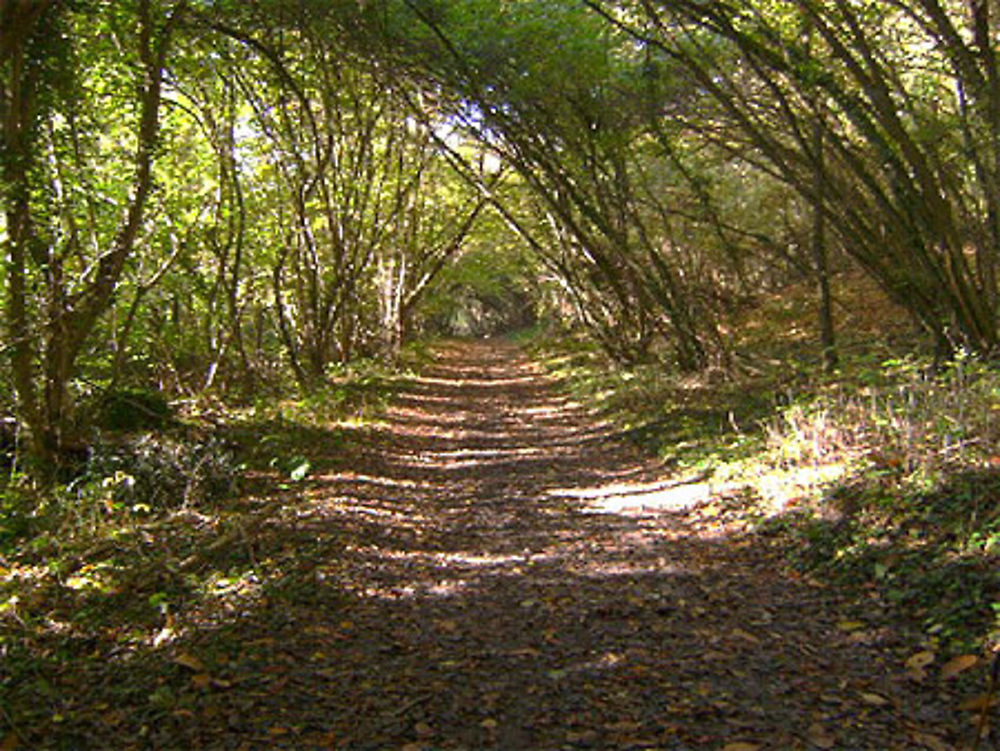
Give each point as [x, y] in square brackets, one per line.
[495, 568]
[516, 578]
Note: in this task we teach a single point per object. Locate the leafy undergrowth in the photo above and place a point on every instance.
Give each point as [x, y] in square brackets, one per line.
[391, 597]
[380, 594]
[151, 536]
[883, 477]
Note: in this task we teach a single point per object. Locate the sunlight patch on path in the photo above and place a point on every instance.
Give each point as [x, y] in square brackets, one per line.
[381, 481]
[452, 456]
[617, 498]
[481, 383]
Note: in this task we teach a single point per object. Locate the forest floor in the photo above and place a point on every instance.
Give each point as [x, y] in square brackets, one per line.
[489, 566]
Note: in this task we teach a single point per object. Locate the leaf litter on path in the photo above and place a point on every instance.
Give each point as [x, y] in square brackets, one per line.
[491, 567]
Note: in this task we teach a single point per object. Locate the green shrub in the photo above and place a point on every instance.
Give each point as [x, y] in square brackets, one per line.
[134, 409]
[153, 473]
[16, 514]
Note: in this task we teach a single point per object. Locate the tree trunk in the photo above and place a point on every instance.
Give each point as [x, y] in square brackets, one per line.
[17, 112]
[827, 332]
[50, 350]
[989, 247]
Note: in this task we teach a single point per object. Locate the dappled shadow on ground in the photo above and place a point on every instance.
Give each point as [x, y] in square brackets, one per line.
[492, 567]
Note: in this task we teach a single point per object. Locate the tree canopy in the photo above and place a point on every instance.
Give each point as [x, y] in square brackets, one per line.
[214, 194]
[578, 361]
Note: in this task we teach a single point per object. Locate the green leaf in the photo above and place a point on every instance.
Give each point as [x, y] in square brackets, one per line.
[300, 471]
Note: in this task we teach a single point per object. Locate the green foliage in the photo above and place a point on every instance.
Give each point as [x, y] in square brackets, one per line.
[890, 113]
[18, 509]
[698, 422]
[932, 555]
[151, 473]
[486, 291]
[917, 517]
[303, 210]
[882, 480]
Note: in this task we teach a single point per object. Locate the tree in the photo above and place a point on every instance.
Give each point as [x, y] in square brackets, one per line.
[62, 241]
[570, 125]
[906, 177]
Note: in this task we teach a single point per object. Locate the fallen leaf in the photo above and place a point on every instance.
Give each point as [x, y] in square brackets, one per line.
[741, 746]
[862, 637]
[319, 630]
[739, 633]
[423, 730]
[850, 625]
[78, 582]
[931, 741]
[201, 680]
[957, 665]
[875, 700]
[920, 660]
[190, 662]
[820, 738]
[979, 703]
[489, 723]
[9, 743]
[163, 636]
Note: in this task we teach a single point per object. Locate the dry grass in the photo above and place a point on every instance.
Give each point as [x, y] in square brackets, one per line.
[885, 474]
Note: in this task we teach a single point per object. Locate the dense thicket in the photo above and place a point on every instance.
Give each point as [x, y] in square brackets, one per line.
[884, 116]
[223, 195]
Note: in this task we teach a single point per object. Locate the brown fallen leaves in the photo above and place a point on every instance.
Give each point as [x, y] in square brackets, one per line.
[625, 631]
[958, 665]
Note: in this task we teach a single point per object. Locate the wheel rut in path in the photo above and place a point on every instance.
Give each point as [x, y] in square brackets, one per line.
[494, 568]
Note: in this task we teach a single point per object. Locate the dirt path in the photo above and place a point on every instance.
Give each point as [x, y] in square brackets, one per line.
[494, 569]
